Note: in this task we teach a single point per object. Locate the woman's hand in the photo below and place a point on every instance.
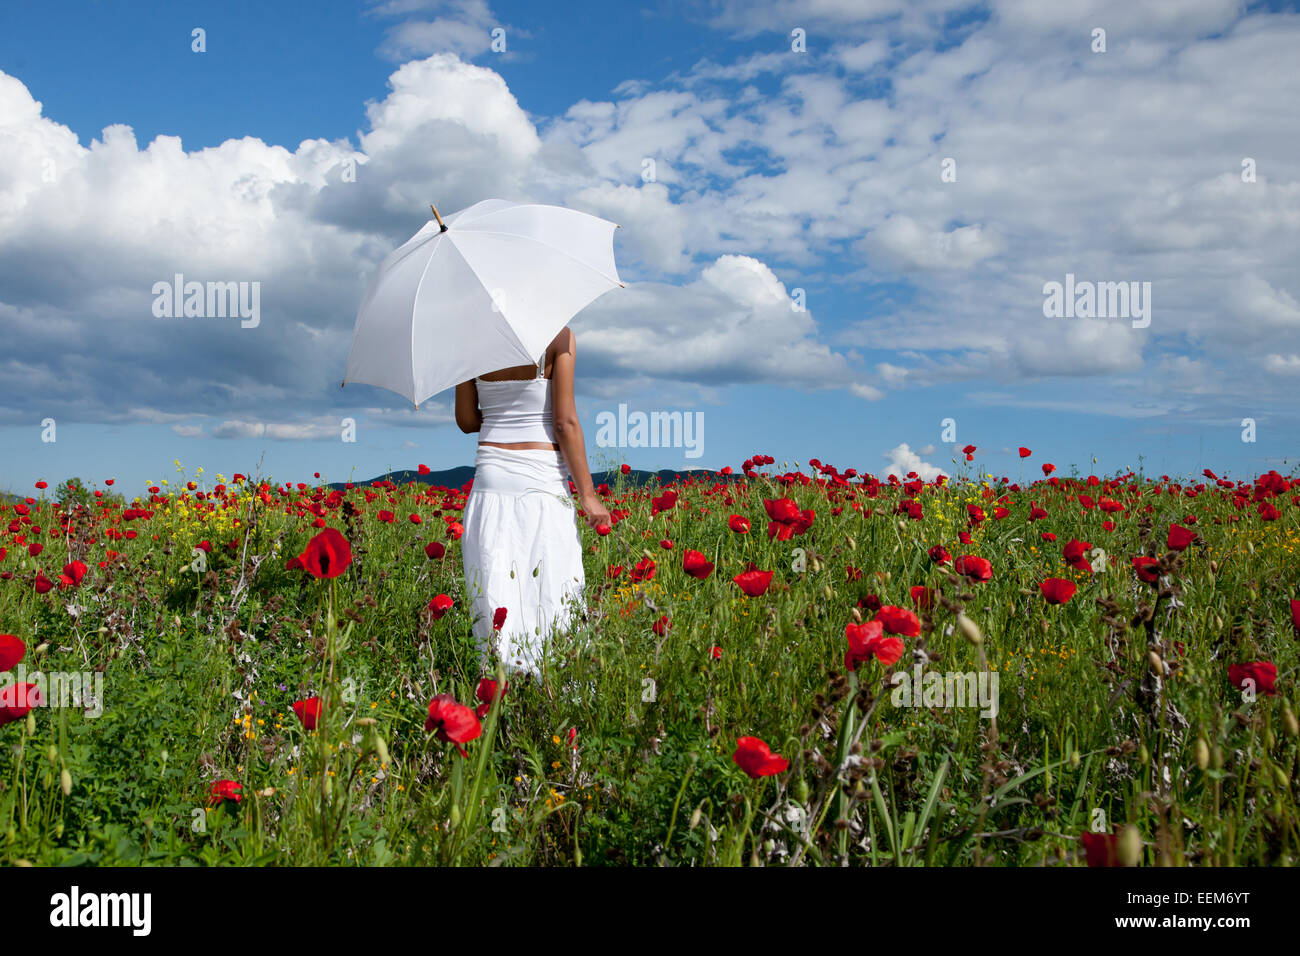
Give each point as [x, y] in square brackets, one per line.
[597, 513]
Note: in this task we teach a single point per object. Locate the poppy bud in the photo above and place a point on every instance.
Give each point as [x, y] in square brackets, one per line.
[31, 724]
[830, 595]
[1202, 750]
[853, 545]
[1283, 781]
[455, 815]
[1130, 846]
[381, 750]
[536, 570]
[969, 629]
[1214, 567]
[695, 818]
[1289, 722]
[52, 755]
[1216, 757]
[1144, 755]
[65, 781]
[1074, 758]
[857, 616]
[41, 648]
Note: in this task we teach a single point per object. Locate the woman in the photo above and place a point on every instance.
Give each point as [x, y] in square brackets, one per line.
[521, 547]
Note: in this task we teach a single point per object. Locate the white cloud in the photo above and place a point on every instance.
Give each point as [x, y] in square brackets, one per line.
[903, 460]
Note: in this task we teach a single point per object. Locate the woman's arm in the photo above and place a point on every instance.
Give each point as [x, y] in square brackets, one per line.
[468, 415]
[568, 430]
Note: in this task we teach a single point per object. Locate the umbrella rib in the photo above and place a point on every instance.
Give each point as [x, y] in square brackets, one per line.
[515, 235]
[415, 300]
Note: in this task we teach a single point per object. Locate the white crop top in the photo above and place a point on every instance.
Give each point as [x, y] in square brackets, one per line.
[516, 410]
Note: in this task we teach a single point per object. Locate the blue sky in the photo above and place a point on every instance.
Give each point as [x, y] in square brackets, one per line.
[776, 171]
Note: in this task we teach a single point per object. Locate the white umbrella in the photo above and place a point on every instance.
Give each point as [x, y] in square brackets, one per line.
[487, 288]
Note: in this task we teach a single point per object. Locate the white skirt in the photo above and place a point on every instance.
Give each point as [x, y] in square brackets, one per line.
[520, 518]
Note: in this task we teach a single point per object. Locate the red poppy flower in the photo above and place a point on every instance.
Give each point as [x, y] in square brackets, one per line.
[922, 597]
[452, 722]
[866, 641]
[1295, 617]
[16, 700]
[665, 502]
[72, 575]
[1146, 569]
[12, 650]
[939, 555]
[753, 582]
[327, 555]
[755, 757]
[499, 617]
[603, 529]
[625, 469]
[224, 790]
[488, 693]
[696, 564]
[440, 605]
[1048, 468]
[661, 626]
[308, 712]
[643, 570]
[1259, 674]
[1025, 452]
[738, 524]
[1074, 551]
[974, 567]
[386, 517]
[898, 620]
[1180, 537]
[42, 583]
[435, 550]
[454, 530]
[1100, 849]
[715, 652]
[1057, 590]
[35, 548]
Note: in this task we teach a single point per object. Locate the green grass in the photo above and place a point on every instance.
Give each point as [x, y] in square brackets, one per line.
[201, 670]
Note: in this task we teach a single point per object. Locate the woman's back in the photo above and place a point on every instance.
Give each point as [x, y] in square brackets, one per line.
[516, 410]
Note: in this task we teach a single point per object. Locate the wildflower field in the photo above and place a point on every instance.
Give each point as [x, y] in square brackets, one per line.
[1098, 671]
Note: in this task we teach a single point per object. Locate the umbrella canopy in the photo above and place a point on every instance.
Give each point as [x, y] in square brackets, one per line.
[487, 288]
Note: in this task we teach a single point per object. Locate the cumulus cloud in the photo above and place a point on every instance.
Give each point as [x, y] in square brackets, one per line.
[903, 460]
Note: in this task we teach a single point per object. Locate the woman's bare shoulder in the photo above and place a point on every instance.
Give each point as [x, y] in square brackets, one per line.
[566, 341]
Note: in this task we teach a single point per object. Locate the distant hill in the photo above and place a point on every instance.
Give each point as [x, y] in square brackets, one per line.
[455, 477]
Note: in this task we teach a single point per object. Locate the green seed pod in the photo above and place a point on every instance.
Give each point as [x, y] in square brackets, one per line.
[969, 629]
[1074, 758]
[65, 781]
[695, 818]
[1130, 846]
[1144, 755]
[1283, 782]
[1202, 751]
[381, 750]
[31, 724]
[801, 790]
[52, 755]
[1289, 722]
